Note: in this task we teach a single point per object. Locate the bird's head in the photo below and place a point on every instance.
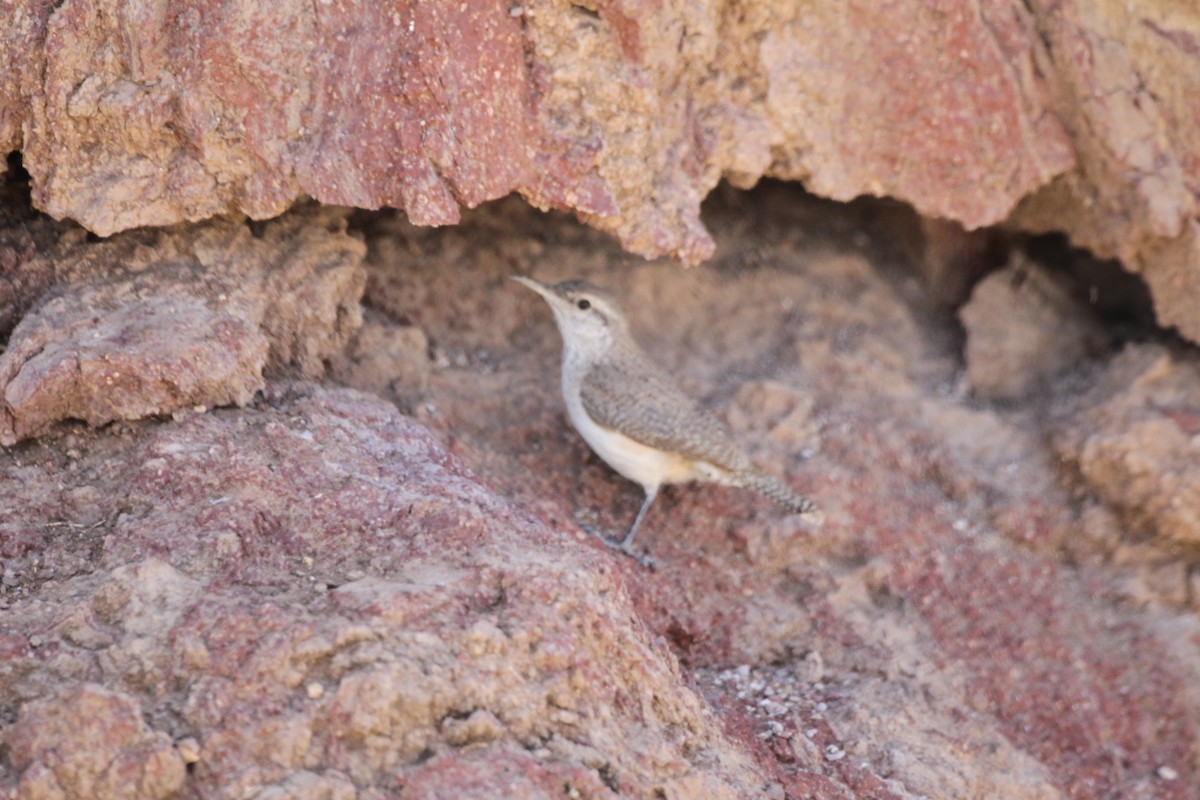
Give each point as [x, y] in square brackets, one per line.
[588, 317]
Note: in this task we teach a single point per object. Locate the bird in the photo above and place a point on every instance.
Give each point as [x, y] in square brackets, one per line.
[635, 417]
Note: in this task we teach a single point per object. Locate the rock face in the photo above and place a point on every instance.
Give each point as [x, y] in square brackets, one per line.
[1126, 87]
[90, 741]
[1024, 327]
[311, 598]
[331, 594]
[1079, 114]
[1134, 438]
[152, 322]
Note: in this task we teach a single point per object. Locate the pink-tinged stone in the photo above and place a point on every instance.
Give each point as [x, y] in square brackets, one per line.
[23, 53]
[937, 103]
[186, 112]
[628, 116]
[319, 595]
[1079, 115]
[1126, 82]
[116, 363]
[153, 322]
[89, 741]
[954, 629]
[1133, 703]
[1133, 439]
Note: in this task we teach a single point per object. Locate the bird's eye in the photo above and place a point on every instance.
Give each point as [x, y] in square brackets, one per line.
[584, 304]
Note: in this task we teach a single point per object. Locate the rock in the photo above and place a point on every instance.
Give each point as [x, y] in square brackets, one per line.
[1080, 113]
[464, 648]
[855, 109]
[1125, 84]
[1133, 438]
[937, 596]
[1024, 326]
[152, 322]
[382, 355]
[449, 117]
[90, 741]
[773, 97]
[317, 594]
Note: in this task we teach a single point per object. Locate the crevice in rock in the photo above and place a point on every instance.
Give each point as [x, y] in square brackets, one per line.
[1118, 296]
[958, 568]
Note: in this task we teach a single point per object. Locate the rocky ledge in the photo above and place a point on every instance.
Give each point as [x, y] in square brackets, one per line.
[250, 584]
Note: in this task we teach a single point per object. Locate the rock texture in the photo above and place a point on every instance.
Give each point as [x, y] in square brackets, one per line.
[1134, 438]
[329, 594]
[1024, 327]
[1126, 87]
[89, 741]
[1082, 112]
[152, 322]
[315, 599]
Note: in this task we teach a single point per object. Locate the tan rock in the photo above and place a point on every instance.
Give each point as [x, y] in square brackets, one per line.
[318, 594]
[1081, 112]
[1134, 439]
[152, 322]
[90, 741]
[1024, 326]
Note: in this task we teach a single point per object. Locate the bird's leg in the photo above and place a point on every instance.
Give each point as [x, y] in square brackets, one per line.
[626, 544]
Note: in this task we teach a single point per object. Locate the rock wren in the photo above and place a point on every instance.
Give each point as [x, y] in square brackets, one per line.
[633, 416]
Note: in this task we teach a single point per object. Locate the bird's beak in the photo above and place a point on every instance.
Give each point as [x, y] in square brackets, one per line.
[537, 286]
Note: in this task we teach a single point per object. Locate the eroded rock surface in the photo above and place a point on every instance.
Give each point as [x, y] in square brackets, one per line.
[1024, 326]
[1134, 438]
[1082, 112]
[151, 322]
[1126, 86]
[824, 651]
[89, 741]
[321, 595]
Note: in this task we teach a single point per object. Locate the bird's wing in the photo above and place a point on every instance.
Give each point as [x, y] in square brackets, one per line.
[630, 395]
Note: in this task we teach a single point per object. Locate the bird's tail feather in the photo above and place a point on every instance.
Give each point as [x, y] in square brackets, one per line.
[775, 490]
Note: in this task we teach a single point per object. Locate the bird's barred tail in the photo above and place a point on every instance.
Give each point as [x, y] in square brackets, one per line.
[770, 488]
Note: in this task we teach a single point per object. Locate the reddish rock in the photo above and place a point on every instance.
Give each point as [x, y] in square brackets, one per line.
[175, 116]
[23, 52]
[183, 114]
[152, 322]
[89, 741]
[940, 104]
[317, 595]
[626, 113]
[1024, 326]
[1133, 439]
[323, 599]
[935, 598]
[1126, 87]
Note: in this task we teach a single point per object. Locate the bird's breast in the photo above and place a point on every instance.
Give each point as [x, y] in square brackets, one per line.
[639, 463]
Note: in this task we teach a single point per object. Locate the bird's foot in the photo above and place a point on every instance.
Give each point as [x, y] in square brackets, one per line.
[625, 546]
